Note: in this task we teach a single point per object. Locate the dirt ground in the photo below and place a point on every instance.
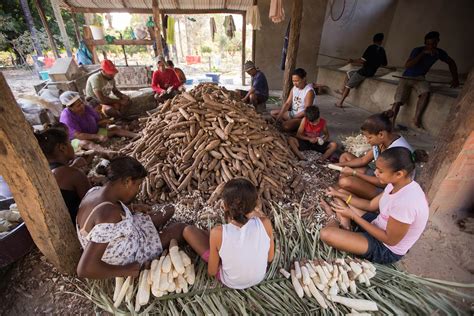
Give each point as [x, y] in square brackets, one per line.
[33, 286]
[21, 81]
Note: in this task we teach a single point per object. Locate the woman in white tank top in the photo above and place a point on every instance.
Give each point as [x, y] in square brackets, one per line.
[301, 96]
[238, 252]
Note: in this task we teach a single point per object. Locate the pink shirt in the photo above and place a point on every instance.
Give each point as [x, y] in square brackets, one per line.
[409, 206]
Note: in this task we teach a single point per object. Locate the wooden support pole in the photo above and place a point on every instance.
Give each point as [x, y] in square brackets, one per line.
[244, 37]
[254, 38]
[293, 43]
[40, 9]
[76, 27]
[34, 188]
[90, 43]
[156, 19]
[62, 27]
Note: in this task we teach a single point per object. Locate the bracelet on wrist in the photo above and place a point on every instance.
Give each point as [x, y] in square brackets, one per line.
[349, 198]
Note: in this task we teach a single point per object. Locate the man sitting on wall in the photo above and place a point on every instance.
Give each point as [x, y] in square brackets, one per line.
[101, 85]
[165, 82]
[258, 92]
[418, 64]
[373, 57]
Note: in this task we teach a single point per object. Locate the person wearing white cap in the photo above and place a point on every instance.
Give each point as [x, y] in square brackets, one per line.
[258, 92]
[83, 123]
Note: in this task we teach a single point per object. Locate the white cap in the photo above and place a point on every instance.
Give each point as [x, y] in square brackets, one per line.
[69, 97]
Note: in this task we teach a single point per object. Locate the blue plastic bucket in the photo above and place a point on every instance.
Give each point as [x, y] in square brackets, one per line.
[44, 75]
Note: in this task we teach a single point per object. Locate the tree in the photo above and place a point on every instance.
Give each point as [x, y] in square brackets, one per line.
[12, 13]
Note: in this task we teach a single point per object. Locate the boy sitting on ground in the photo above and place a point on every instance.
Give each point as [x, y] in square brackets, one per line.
[312, 134]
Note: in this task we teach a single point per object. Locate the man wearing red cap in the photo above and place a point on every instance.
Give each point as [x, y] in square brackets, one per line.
[101, 85]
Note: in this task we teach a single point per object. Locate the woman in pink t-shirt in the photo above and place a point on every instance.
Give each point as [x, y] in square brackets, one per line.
[403, 212]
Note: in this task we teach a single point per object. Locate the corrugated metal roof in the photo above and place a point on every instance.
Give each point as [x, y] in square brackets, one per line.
[241, 5]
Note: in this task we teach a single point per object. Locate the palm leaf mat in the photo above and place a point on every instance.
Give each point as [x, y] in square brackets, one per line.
[396, 292]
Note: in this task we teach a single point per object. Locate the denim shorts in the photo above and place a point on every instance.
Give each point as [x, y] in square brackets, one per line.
[377, 252]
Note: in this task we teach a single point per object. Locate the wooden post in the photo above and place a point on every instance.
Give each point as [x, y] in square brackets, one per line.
[88, 36]
[156, 18]
[76, 27]
[254, 38]
[244, 36]
[293, 43]
[40, 9]
[62, 27]
[34, 188]
[457, 128]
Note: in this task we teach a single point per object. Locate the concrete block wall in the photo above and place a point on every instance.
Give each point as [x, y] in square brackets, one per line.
[269, 41]
[377, 95]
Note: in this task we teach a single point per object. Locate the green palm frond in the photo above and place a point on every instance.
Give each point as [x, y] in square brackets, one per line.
[396, 292]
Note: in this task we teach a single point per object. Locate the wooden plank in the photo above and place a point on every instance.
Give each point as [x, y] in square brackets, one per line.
[244, 37]
[40, 9]
[61, 25]
[34, 188]
[293, 43]
[119, 42]
[157, 28]
[150, 11]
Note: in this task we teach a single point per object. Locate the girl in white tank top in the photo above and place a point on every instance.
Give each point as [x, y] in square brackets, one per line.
[237, 252]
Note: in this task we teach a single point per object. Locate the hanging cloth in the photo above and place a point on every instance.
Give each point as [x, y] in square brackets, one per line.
[164, 22]
[229, 26]
[253, 18]
[285, 46]
[170, 31]
[83, 55]
[276, 13]
[212, 24]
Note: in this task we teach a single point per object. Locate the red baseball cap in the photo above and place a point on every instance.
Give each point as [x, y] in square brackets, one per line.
[108, 67]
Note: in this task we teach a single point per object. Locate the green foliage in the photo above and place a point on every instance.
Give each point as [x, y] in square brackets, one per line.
[23, 44]
[206, 49]
[13, 23]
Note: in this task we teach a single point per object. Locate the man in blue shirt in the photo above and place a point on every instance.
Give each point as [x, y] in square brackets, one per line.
[258, 92]
[418, 64]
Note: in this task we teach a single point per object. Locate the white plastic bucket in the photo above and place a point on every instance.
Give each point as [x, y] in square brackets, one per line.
[97, 32]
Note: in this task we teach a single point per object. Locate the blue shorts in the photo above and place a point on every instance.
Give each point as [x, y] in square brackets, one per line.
[377, 252]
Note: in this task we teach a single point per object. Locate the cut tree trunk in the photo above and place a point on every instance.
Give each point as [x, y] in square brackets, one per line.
[293, 43]
[34, 188]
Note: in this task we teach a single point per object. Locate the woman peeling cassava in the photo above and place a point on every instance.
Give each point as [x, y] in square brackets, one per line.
[385, 237]
[116, 241]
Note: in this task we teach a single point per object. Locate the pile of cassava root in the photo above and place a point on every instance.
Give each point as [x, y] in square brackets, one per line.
[201, 139]
[326, 280]
[173, 272]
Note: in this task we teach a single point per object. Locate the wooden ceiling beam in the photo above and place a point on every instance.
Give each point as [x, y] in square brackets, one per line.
[149, 11]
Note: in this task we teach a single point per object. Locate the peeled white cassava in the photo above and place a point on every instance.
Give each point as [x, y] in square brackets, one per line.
[185, 258]
[166, 265]
[175, 257]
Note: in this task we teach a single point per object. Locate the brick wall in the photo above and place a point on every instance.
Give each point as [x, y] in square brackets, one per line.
[455, 195]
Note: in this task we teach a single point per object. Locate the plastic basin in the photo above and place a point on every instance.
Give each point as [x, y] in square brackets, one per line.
[17, 243]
